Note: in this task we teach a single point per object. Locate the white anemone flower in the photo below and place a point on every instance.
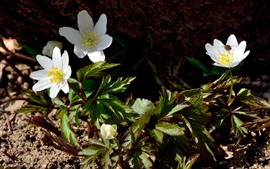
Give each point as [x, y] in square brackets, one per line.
[90, 39]
[229, 55]
[108, 131]
[55, 73]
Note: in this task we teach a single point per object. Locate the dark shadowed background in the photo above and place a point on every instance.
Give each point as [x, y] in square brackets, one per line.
[159, 31]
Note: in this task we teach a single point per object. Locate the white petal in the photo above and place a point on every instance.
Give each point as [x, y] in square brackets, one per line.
[45, 62]
[67, 73]
[235, 63]
[212, 56]
[85, 22]
[72, 35]
[101, 25]
[211, 51]
[96, 56]
[79, 51]
[41, 85]
[218, 43]
[57, 60]
[220, 65]
[104, 42]
[39, 74]
[239, 51]
[245, 54]
[232, 41]
[65, 61]
[54, 91]
[65, 88]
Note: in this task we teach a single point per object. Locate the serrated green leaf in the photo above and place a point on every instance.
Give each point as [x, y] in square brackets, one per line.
[67, 131]
[169, 128]
[116, 107]
[239, 131]
[120, 85]
[29, 108]
[94, 70]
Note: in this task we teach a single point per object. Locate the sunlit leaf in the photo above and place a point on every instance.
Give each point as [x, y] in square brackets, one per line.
[142, 105]
[94, 70]
[67, 131]
[169, 128]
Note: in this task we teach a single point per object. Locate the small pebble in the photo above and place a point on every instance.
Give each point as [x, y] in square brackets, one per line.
[266, 95]
[265, 78]
[256, 83]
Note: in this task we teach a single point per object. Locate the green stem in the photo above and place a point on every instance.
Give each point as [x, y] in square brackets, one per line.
[231, 89]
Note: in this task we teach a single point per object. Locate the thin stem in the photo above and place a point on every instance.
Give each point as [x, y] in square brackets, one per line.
[82, 91]
[83, 97]
[231, 89]
[13, 99]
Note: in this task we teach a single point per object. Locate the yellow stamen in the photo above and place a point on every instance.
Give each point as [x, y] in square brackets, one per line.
[225, 58]
[56, 75]
[89, 39]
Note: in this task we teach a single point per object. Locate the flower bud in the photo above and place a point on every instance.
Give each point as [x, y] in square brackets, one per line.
[48, 49]
[108, 131]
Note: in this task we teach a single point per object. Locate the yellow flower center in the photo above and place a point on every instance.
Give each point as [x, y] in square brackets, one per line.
[89, 39]
[225, 58]
[56, 75]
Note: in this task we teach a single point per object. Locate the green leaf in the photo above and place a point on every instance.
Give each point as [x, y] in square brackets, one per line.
[139, 125]
[158, 135]
[88, 105]
[198, 63]
[67, 131]
[57, 101]
[142, 105]
[108, 86]
[91, 154]
[140, 159]
[177, 108]
[145, 160]
[29, 108]
[92, 151]
[117, 108]
[60, 113]
[191, 161]
[169, 128]
[239, 131]
[30, 50]
[94, 70]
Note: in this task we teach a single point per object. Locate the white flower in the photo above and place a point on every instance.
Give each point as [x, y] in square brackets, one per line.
[48, 49]
[229, 55]
[108, 131]
[90, 39]
[55, 73]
